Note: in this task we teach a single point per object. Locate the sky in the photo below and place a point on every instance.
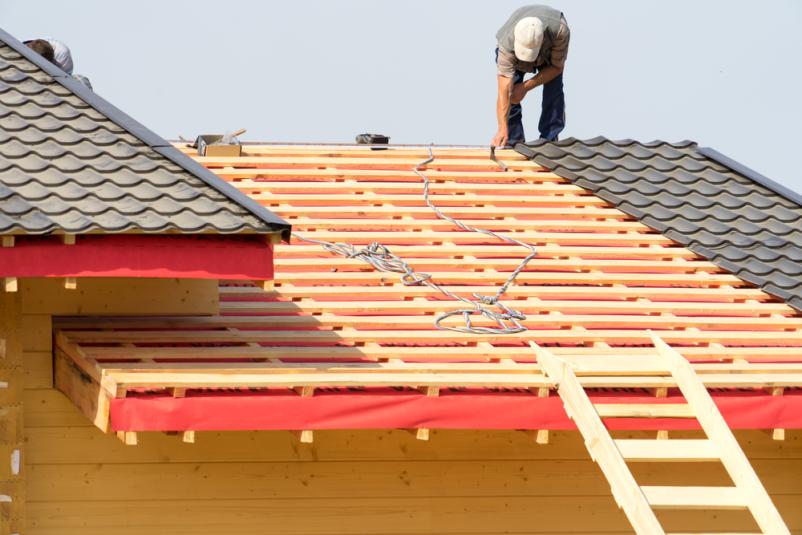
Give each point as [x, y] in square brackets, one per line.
[724, 73]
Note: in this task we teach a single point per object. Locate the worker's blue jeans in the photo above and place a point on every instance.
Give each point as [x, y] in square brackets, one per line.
[552, 113]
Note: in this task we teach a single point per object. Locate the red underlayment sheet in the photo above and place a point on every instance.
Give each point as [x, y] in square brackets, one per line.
[186, 257]
[392, 409]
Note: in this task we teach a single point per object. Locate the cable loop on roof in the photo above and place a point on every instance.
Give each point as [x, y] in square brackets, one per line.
[507, 320]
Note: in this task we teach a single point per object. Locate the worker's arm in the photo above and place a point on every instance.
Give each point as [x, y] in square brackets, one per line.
[502, 110]
[543, 77]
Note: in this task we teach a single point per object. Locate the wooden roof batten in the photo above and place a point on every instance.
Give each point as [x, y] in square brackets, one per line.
[600, 282]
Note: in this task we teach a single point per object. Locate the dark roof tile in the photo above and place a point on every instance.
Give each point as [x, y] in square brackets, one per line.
[71, 162]
[716, 207]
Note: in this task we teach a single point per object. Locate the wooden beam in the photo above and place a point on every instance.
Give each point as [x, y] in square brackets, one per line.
[662, 434]
[306, 436]
[677, 450]
[704, 498]
[777, 433]
[10, 284]
[542, 435]
[129, 438]
[423, 433]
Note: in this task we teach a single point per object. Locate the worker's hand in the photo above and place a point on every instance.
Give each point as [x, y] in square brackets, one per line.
[500, 139]
[518, 93]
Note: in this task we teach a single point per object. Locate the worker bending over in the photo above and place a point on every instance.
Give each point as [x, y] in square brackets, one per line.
[58, 54]
[534, 39]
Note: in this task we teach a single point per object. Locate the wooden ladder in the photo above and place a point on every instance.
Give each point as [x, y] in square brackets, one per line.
[640, 502]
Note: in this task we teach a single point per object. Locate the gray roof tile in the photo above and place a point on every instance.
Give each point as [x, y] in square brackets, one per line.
[716, 207]
[71, 162]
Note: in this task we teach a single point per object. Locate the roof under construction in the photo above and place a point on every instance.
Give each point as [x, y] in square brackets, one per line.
[338, 344]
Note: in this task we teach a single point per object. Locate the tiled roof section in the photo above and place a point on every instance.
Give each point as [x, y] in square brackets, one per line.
[71, 162]
[740, 220]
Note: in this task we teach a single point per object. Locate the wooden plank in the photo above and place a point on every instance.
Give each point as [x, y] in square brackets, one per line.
[495, 250]
[159, 379]
[392, 151]
[289, 162]
[120, 296]
[306, 225]
[528, 277]
[534, 321]
[677, 450]
[525, 304]
[329, 261]
[719, 498]
[38, 369]
[430, 336]
[442, 200]
[413, 187]
[534, 236]
[232, 174]
[486, 212]
[329, 516]
[478, 354]
[85, 392]
[590, 291]
[355, 479]
[717, 430]
[57, 439]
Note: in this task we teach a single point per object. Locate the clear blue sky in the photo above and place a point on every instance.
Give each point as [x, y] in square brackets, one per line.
[724, 73]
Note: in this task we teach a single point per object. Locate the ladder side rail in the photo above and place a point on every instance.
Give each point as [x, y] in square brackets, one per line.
[626, 491]
[732, 456]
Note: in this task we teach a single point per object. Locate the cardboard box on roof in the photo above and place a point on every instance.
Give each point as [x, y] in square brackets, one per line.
[206, 146]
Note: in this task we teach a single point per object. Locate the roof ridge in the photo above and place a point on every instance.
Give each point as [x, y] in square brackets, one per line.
[751, 174]
[161, 146]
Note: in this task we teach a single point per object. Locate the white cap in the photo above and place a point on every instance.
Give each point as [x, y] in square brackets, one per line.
[528, 38]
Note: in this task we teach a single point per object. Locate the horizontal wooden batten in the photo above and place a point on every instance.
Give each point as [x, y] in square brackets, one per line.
[524, 304]
[424, 336]
[302, 200]
[344, 162]
[588, 291]
[534, 321]
[413, 187]
[754, 357]
[369, 225]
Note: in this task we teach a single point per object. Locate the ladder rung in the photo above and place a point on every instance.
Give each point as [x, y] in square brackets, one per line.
[644, 410]
[695, 497]
[684, 450]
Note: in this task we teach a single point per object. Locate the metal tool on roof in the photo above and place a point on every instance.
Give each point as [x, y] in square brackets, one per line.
[507, 320]
[502, 165]
[373, 139]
